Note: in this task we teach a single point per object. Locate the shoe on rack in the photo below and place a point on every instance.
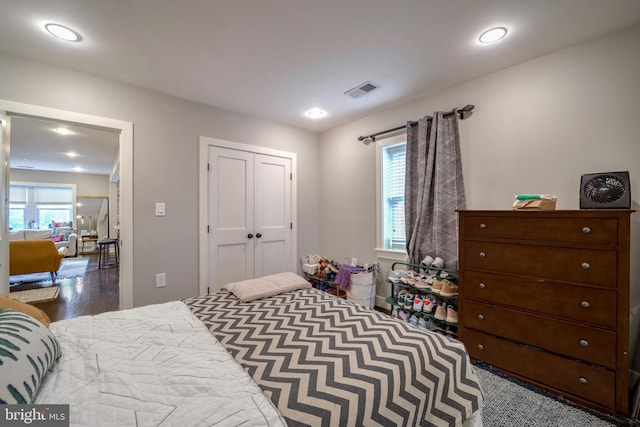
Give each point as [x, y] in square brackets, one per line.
[404, 315]
[422, 323]
[429, 304]
[441, 312]
[423, 282]
[418, 302]
[395, 313]
[413, 320]
[394, 276]
[437, 286]
[428, 260]
[408, 301]
[407, 276]
[448, 289]
[401, 297]
[437, 264]
[452, 315]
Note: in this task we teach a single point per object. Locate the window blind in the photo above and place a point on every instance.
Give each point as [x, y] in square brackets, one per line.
[393, 181]
[18, 194]
[53, 195]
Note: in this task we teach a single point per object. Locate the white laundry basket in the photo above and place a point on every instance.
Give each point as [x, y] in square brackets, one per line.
[362, 290]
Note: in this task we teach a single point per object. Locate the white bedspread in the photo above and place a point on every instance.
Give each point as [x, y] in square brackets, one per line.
[151, 366]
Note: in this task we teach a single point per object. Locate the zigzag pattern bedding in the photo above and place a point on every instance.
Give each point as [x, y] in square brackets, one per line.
[324, 361]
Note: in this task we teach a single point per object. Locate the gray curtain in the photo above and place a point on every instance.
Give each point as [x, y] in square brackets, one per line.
[434, 188]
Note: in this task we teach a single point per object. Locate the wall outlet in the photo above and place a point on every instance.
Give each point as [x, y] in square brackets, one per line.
[161, 280]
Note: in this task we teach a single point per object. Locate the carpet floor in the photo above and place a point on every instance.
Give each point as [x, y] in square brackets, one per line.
[509, 404]
[69, 268]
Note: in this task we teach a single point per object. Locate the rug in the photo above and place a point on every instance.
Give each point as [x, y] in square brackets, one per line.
[510, 403]
[69, 268]
[35, 296]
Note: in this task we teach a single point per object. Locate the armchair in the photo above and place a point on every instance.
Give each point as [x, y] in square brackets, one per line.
[34, 256]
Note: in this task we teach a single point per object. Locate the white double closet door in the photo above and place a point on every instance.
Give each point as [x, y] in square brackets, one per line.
[250, 223]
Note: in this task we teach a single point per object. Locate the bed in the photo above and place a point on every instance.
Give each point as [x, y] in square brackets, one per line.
[281, 355]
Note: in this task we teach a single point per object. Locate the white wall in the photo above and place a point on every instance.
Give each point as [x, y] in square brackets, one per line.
[166, 134]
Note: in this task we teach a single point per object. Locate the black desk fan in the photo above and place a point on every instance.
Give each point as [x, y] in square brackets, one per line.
[606, 190]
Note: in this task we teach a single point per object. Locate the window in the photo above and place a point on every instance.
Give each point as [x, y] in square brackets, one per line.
[16, 216]
[49, 214]
[391, 170]
[40, 205]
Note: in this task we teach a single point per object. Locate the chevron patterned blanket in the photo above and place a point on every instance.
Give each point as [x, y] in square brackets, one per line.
[324, 361]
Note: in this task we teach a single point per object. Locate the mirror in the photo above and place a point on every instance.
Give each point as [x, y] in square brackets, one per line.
[92, 217]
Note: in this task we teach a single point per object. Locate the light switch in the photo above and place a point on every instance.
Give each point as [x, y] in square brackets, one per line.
[160, 209]
[161, 280]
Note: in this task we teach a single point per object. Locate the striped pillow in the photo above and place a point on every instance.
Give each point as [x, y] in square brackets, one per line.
[28, 349]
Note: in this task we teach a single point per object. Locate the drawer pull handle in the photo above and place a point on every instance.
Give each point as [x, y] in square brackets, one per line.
[584, 343]
[482, 286]
[582, 380]
[586, 230]
[585, 266]
[483, 226]
[480, 316]
[482, 255]
[585, 304]
[480, 347]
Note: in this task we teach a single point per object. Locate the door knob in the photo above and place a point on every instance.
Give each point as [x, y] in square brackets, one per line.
[250, 236]
[259, 235]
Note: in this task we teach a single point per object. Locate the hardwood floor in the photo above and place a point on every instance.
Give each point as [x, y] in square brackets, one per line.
[94, 293]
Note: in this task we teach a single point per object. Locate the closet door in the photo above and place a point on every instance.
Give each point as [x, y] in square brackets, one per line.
[249, 216]
[231, 220]
[272, 214]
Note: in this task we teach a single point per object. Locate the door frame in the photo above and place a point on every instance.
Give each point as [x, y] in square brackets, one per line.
[126, 186]
[203, 201]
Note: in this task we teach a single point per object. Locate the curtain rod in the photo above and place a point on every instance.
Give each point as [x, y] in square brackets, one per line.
[464, 113]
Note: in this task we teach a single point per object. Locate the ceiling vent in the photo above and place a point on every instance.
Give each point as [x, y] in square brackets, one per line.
[361, 90]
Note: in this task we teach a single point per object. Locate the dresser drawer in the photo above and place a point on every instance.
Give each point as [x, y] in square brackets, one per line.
[596, 267]
[578, 303]
[580, 342]
[519, 226]
[566, 375]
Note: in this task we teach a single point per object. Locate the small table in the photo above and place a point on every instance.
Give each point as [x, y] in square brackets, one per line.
[104, 253]
[88, 238]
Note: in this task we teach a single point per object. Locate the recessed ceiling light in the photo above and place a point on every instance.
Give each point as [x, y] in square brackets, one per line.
[63, 131]
[315, 113]
[62, 32]
[78, 169]
[492, 35]
[71, 154]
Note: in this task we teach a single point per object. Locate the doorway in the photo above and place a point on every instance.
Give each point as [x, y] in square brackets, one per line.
[125, 174]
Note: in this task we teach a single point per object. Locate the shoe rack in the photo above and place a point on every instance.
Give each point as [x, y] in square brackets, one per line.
[419, 280]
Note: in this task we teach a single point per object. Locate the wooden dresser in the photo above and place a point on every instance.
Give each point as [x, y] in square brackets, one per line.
[544, 296]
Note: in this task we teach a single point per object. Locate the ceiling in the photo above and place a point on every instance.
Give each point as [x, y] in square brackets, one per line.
[36, 146]
[276, 59]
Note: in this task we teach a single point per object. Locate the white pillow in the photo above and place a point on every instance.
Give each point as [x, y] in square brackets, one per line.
[266, 286]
